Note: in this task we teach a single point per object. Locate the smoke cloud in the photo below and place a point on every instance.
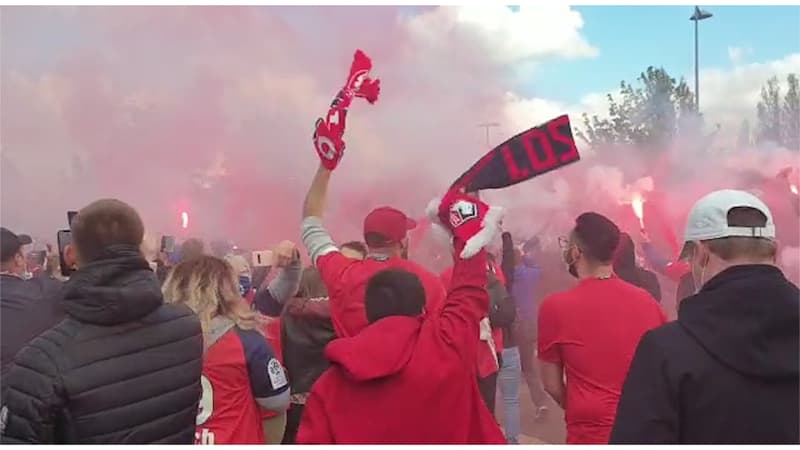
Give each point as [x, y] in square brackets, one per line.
[210, 110]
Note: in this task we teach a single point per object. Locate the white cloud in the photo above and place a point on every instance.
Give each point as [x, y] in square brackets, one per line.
[729, 96]
[522, 113]
[502, 35]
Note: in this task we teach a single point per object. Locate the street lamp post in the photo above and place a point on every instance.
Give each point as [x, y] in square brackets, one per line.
[698, 15]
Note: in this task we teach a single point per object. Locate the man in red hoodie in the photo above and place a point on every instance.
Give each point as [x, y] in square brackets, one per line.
[407, 378]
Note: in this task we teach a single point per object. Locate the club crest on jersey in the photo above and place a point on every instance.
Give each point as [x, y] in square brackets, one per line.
[462, 211]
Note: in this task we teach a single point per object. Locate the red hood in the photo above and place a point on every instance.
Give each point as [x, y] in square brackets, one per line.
[382, 349]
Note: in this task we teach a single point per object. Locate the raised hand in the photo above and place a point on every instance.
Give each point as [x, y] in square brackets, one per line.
[285, 253]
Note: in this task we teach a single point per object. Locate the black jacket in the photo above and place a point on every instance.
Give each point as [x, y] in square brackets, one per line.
[726, 372]
[625, 267]
[122, 368]
[27, 308]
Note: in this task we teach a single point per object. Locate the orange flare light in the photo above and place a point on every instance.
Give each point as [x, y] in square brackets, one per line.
[185, 220]
[637, 204]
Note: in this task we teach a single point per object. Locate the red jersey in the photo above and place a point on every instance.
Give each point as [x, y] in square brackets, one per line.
[593, 330]
[407, 380]
[238, 369]
[346, 280]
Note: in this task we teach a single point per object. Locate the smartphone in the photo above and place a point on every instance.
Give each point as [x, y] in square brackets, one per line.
[262, 258]
[168, 244]
[64, 238]
[70, 217]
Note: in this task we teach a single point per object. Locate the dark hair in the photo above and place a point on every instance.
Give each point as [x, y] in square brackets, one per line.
[625, 256]
[625, 260]
[729, 248]
[311, 284]
[356, 246]
[394, 292]
[598, 237]
[105, 223]
[377, 240]
[191, 249]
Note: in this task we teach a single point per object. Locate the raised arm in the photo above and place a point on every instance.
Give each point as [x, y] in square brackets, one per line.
[315, 236]
[466, 304]
[270, 297]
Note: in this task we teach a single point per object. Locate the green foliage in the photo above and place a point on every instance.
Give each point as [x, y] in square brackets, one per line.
[779, 118]
[647, 115]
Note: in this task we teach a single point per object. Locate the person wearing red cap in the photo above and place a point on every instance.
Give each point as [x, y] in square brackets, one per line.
[385, 233]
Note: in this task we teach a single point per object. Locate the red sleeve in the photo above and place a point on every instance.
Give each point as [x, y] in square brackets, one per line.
[331, 268]
[314, 426]
[466, 304]
[447, 278]
[548, 339]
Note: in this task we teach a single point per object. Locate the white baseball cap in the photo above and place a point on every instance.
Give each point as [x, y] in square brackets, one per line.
[708, 218]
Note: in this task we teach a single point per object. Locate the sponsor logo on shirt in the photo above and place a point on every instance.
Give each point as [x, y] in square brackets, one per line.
[277, 376]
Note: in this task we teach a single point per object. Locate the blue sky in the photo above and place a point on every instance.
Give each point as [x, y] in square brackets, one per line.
[630, 38]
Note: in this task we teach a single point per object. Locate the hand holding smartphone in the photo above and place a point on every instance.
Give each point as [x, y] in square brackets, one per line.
[64, 238]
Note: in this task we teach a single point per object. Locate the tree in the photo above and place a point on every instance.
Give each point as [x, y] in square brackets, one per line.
[791, 114]
[769, 112]
[779, 119]
[649, 115]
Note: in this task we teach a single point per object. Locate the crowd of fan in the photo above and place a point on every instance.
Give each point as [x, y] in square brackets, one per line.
[367, 346]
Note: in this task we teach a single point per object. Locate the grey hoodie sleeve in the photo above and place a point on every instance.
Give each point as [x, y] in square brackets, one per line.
[316, 238]
[286, 284]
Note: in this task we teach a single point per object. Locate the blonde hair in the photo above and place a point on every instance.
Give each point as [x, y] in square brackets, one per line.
[209, 286]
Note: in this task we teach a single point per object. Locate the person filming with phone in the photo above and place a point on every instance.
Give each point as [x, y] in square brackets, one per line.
[123, 367]
[29, 306]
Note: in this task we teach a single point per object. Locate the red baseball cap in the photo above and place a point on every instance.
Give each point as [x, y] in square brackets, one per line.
[388, 222]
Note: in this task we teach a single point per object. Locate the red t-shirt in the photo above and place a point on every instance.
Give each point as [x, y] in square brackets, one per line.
[237, 369]
[593, 330]
[346, 280]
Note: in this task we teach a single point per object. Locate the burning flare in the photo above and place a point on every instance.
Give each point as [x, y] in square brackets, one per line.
[637, 204]
[185, 220]
[793, 188]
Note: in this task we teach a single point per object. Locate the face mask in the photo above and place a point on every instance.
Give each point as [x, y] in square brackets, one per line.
[697, 279]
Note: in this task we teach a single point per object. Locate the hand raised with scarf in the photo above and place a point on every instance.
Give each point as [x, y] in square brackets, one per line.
[329, 132]
[466, 218]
